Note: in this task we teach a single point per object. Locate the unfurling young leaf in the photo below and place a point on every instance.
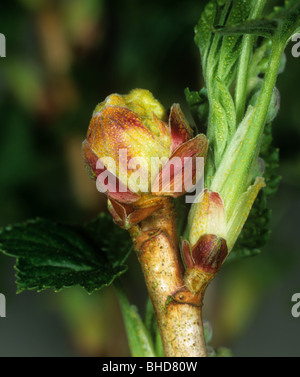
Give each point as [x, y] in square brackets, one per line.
[264, 28]
[231, 44]
[281, 25]
[204, 31]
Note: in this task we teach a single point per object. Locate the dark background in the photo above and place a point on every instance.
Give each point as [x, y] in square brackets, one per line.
[63, 57]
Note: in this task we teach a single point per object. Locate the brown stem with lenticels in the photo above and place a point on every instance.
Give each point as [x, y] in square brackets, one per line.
[178, 310]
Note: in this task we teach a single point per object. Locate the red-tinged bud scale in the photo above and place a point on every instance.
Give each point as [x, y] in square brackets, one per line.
[209, 253]
[203, 260]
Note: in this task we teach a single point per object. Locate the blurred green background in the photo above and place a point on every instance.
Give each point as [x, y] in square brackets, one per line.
[62, 58]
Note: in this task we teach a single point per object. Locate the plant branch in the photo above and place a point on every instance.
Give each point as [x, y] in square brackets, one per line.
[177, 309]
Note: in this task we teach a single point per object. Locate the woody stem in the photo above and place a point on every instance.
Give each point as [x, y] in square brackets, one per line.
[178, 311]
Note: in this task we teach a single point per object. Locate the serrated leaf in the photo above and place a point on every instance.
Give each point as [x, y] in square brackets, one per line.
[208, 42]
[263, 27]
[230, 49]
[218, 132]
[226, 101]
[213, 60]
[108, 238]
[282, 24]
[52, 255]
[288, 19]
[204, 30]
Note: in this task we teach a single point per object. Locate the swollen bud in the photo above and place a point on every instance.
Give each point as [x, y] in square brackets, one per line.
[138, 153]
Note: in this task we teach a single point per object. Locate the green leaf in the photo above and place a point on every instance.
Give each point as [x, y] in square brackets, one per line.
[258, 67]
[52, 255]
[241, 211]
[225, 177]
[288, 19]
[139, 339]
[207, 41]
[219, 56]
[256, 231]
[208, 331]
[204, 31]
[281, 25]
[218, 132]
[198, 105]
[213, 60]
[262, 27]
[231, 44]
[241, 252]
[273, 107]
[152, 328]
[226, 101]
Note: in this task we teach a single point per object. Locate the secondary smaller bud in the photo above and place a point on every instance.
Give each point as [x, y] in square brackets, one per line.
[203, 260]
[206, 247]
[207, 254]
